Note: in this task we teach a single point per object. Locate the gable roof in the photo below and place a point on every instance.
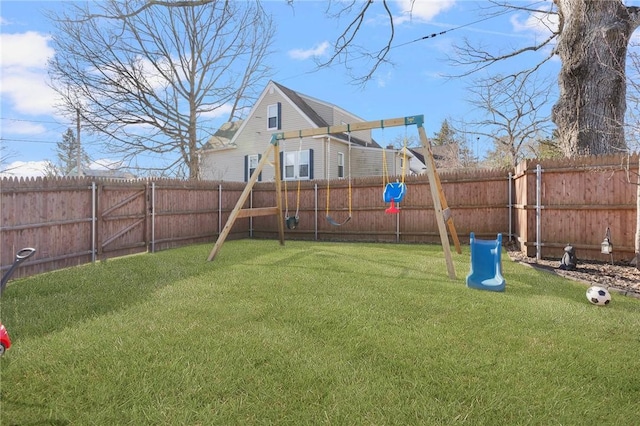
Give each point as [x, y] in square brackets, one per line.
[224, 137]
[417, 154]
[298, 99]
[304, 106]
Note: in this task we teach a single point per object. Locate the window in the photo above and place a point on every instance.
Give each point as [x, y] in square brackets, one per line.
[273, 116]
[341, 164]
[290, 165]
[250, 165]
[298, 164]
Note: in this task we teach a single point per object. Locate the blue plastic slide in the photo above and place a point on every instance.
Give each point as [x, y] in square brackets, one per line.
[486, 264]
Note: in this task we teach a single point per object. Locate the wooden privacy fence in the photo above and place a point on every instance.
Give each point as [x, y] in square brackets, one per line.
[574, 201]
[72, 221]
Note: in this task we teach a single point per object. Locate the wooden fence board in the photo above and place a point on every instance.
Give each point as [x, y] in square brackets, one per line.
[580, 198]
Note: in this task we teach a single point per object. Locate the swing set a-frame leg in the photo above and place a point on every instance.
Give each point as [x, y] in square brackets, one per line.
[239, 212]
[438, 201]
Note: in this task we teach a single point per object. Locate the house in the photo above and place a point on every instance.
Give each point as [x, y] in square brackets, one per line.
[106, 173]
[417, 166]
[234, 151]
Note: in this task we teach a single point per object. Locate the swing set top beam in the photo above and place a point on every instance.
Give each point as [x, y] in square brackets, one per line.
[418, 120]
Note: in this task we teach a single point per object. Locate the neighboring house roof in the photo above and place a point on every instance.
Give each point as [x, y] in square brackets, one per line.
[299, 100]
[223, 136]
[438, 152]
[417, 154]
[104, 173]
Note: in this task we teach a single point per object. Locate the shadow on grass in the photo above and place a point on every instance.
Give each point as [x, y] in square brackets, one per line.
[47, 303]
[50, 302]
[36, 411]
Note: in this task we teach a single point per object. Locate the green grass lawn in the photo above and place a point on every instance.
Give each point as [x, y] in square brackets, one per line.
[313, 333]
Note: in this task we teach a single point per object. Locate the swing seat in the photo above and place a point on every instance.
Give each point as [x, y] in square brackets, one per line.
[334, 223]
[394, 191]
[486, 264]
[292, 222]
[392, 208]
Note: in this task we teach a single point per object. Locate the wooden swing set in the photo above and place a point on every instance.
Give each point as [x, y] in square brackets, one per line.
[442, 212]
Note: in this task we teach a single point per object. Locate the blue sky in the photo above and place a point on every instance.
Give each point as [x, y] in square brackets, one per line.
[415, 84]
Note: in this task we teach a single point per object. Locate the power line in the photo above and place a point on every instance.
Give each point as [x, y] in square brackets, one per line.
[22, 120]
[25, 140]
[432, 35]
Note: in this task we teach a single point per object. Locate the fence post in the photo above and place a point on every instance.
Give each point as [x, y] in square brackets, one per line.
[510, 181]
[397, 228]
[315, 207]
[93, 222]
[538, 210]
[251, 217]
[153, 217]
[219, 208]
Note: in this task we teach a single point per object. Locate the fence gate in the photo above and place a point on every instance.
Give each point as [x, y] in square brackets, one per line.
[122, 224]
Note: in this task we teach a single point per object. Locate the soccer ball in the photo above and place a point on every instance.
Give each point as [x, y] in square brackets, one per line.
[598, 295]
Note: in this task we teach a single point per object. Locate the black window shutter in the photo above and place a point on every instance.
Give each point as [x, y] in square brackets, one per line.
[260, 175]
[311, 164]
[279, 116]
[281, 165]
[246, 168]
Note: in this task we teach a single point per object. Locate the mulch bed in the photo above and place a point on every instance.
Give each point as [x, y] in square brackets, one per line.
[622, 278]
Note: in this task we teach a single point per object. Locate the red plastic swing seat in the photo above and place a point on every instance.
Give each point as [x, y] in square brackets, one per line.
[394, 193]
[392, 208]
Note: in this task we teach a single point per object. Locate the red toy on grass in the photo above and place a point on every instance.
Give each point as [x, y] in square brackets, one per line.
[25, 253]
[5, 342]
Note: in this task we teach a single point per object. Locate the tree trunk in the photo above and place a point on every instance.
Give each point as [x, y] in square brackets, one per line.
[592, 45]
[637, 242]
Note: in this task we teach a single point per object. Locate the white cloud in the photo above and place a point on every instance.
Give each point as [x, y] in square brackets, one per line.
[383, 79]
[223, 110]
[23, 73]
[25, 50]
[422, 10]
[22, 128]
[25, 169]
[28, 91]
[302, 54]
[541, 23]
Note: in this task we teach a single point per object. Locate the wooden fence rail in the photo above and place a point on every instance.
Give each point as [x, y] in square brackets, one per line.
[540, 206]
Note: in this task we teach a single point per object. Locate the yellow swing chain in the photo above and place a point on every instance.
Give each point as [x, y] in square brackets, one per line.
[404, 155]
[327, 171]
[350, 190]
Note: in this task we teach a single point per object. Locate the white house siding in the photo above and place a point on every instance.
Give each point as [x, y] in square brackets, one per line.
[324, 110]
[368, 162]
[335, 116]
[217, 165]
[254, 137]
[341, 117]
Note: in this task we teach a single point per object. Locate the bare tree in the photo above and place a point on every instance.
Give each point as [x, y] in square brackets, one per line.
[512, 108]
[5, 156]
[593, 43]
[591, 39]
[633, 129]
[143, 73]
[633, 96]
[450, 148]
